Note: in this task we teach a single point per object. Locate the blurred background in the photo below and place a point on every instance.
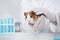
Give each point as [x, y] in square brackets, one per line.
[16, 8]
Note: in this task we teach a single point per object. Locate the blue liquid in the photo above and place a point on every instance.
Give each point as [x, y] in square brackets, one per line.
[9, 28]
[12, 20]
[56, 38]
[9, 20]
[12, 28]
[4, 28]
[4, 21]
[1, 21]
[1, 28]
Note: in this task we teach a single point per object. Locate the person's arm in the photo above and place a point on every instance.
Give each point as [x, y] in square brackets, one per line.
[52, 17]
[40, 24]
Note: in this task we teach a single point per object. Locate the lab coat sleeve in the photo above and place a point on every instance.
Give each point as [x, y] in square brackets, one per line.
[40, 24]
[52, 17]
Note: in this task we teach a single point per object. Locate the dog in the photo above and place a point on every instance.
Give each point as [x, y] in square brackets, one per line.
[32, 18]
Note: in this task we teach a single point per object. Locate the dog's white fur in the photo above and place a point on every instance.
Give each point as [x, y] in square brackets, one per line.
[29, 19]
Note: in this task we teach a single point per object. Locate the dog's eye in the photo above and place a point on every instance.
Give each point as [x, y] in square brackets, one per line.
[25, 17]
[31, 16]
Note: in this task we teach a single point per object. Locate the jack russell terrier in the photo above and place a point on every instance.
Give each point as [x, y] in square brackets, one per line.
[32, 17]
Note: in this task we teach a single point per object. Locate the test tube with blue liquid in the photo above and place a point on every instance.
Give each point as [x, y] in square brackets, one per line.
[1, 21]
[4, 28]
[9, 20]
[12, 21]
[1, 28]
[9, 28]
[12, 28]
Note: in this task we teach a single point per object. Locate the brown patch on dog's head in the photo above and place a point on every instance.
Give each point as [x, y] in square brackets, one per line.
[25, 14]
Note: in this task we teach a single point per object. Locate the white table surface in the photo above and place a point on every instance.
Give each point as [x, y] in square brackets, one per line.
[27, 36]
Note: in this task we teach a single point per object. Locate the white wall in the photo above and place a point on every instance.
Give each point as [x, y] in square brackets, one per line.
[51, 5]
[10, 8]
[16, 8]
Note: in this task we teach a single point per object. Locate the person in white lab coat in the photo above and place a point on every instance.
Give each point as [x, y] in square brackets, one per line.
[42, 25]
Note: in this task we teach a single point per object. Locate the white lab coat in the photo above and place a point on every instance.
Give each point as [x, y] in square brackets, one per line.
[42, 25]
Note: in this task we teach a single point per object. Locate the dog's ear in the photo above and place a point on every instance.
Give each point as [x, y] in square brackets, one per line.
[33, 13]
[25, 14]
